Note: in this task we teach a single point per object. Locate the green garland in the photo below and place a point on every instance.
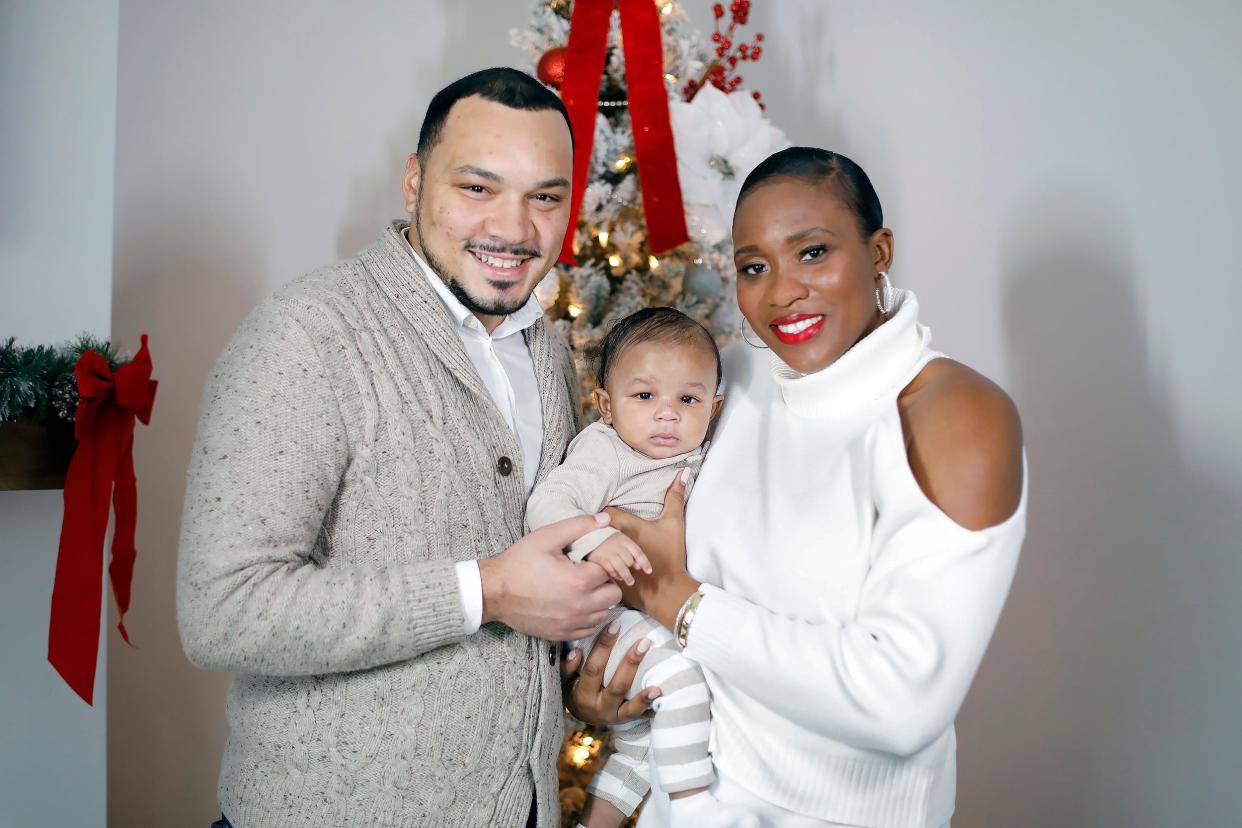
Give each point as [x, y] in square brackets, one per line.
[38, 382]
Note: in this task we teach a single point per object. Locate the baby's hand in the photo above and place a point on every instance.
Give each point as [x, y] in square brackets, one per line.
[618, 555]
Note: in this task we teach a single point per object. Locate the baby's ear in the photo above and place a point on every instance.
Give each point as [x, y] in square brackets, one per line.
[604, 404]
[716, 403]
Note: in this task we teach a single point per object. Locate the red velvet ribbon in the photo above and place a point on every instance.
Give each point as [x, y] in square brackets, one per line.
[102, 468]
[648, 103]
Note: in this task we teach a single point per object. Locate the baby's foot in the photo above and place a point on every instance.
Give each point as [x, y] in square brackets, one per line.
[702, 810]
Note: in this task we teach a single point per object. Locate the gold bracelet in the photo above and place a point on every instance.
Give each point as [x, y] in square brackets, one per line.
[685, 617]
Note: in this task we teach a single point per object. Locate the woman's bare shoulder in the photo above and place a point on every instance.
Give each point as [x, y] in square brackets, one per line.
[964, 441]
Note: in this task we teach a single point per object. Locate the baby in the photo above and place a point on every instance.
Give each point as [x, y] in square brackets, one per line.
[658, 372]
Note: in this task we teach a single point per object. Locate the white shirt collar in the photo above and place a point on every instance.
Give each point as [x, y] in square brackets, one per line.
[519, 320]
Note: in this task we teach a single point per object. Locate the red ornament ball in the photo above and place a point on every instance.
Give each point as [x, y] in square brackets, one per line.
[551, 67]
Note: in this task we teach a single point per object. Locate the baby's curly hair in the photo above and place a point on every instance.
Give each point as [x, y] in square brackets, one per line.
[650, 325]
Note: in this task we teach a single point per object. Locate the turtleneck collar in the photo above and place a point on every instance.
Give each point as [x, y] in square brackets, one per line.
[870, 373]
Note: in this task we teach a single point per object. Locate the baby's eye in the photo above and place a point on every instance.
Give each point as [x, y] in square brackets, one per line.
[752, 269]
[689, 400]
[643, 395]
[812, 253]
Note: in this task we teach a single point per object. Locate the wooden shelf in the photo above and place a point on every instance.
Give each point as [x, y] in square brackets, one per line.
[34, 456]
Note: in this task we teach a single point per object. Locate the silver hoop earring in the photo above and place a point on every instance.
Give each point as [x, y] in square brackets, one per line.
[742, 326]
[884, 298]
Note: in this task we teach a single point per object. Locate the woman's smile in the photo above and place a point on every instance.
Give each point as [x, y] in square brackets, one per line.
[797, 328]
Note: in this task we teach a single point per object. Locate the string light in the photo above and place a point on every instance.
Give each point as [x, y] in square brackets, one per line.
[653, 262]
[614, 260]
[667, 8]
[670, 77]
[574, 311]
[603, 237]
[623, 163]
[582, 749]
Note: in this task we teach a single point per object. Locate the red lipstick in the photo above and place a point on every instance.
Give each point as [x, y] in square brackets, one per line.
[802, 330]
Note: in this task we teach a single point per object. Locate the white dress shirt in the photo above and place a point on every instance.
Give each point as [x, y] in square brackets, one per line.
[508, 373]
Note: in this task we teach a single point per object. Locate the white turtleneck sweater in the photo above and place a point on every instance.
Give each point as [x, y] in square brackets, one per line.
[844, 614]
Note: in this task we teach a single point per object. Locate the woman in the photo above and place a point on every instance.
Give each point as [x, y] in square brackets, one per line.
[853, 531]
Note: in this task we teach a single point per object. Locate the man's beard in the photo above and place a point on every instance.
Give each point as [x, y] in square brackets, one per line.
[497, 307]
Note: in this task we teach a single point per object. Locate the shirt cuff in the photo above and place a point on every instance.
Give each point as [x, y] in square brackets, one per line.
[470, 585]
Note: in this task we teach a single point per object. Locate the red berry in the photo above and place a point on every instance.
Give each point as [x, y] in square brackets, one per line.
[718, 10]
[716, 37]
[759, 36]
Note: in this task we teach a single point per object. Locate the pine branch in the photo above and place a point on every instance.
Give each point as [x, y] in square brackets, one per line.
[39, 381]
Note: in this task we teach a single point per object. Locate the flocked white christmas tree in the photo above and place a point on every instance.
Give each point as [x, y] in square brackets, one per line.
[720, 135]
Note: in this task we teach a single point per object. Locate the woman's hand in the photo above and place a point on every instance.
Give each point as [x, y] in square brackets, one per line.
[591, 702]
[663, 540]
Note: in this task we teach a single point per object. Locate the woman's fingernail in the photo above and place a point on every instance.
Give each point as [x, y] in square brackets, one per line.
[614, 627]
[601, 518]
[685, 476]
[653, 695]
[572, 654]
[643, 646]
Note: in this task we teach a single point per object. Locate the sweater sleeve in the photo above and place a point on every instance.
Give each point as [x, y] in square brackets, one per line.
[892, 677]
[582, 485]
[268, 461]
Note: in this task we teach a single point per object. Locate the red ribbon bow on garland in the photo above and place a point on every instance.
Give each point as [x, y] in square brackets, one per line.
[648, 100]
[102, 468]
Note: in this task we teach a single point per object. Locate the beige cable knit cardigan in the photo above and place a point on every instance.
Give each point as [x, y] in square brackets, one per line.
[347, 456]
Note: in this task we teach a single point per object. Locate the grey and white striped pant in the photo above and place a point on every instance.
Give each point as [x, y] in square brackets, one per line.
[678, 734]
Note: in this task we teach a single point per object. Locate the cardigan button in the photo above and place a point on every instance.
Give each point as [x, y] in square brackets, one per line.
[505, 466]
[552, 655]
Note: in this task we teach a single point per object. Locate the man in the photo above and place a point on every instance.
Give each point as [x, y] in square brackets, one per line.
[352, 539]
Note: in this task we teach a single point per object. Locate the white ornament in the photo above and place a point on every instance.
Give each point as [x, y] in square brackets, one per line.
[701, 282]
[719, 139]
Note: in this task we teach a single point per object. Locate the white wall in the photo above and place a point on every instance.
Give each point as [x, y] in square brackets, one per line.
[1063, 183]
[57, 131]
[1061, 180]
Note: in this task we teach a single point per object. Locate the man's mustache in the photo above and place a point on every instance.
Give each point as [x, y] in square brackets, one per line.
[503, 249]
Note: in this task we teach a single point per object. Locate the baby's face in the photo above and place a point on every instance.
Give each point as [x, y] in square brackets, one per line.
[660, 397]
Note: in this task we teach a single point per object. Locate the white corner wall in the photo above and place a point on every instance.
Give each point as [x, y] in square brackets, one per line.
[57, 138]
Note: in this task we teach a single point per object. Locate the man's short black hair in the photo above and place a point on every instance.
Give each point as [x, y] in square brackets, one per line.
[652, 325]
[514, 89]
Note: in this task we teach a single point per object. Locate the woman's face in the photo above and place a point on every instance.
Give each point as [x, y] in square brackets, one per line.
[806, 277]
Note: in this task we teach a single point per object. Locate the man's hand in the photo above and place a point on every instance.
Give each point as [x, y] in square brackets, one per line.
[586, 696]
[533, 588]
[618, 555]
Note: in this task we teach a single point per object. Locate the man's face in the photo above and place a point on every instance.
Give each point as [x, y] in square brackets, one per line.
[490, 205]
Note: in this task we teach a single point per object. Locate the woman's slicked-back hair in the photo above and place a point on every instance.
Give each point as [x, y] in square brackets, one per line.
[820, 166]
[510, 87]
[651, 325]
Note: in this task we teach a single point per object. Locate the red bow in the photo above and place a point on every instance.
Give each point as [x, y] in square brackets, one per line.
[653, 136]
[104, 426]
